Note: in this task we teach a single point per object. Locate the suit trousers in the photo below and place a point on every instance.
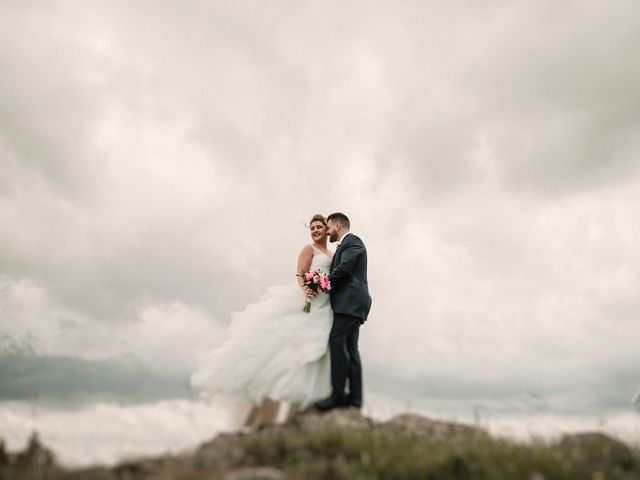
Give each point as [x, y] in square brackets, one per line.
[345, 358]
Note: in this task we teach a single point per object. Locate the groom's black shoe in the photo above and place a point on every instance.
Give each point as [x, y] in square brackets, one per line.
[330, 403]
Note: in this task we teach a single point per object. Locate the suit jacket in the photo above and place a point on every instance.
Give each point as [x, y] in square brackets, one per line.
[348, 276]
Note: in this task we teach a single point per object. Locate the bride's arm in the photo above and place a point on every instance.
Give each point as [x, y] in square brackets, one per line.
[304, 263]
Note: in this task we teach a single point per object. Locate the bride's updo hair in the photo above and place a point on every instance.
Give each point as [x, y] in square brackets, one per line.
[318, 218]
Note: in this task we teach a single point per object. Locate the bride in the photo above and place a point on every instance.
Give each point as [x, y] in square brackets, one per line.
[273, 350]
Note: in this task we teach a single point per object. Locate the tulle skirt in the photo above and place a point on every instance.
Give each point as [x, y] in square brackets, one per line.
[272, 350]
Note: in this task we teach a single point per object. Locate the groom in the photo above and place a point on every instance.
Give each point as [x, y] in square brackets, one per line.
[350, 302]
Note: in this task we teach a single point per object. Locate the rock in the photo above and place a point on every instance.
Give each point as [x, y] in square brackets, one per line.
[263, 414]
[342, 442]
[423, 426]
[344, 418]
[224, 451]
[257, 473]
[596, 449]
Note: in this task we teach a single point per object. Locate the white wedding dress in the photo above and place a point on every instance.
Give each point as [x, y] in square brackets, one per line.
[273, 349]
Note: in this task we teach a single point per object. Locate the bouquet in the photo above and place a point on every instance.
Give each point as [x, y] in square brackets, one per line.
[316, 281]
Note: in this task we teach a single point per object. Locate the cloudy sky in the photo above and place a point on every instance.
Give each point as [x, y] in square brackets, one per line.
[158, 161]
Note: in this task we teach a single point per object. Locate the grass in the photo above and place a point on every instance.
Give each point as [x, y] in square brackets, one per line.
[375, 451]
[381, 453]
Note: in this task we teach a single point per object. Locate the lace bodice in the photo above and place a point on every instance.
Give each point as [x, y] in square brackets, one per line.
[320, 260]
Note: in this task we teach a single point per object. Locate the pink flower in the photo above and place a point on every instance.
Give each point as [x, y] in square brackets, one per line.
[324, 283]
[309, 276]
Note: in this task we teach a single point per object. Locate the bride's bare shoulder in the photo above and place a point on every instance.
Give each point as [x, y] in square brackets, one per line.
[307, 250]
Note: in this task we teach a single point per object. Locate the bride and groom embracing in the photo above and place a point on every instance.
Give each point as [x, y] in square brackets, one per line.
[276, 350]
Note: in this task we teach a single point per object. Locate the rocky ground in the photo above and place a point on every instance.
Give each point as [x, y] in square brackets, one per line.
[345, 445]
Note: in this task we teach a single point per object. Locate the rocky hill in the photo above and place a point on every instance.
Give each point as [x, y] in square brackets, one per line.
[345, 445]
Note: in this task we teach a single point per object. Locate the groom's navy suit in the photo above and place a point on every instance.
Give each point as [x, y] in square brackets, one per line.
[350, 302]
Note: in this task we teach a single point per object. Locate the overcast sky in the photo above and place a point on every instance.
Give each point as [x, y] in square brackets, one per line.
[158, 161]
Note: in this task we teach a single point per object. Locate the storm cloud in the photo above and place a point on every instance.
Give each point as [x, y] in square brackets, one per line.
[158, 162]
